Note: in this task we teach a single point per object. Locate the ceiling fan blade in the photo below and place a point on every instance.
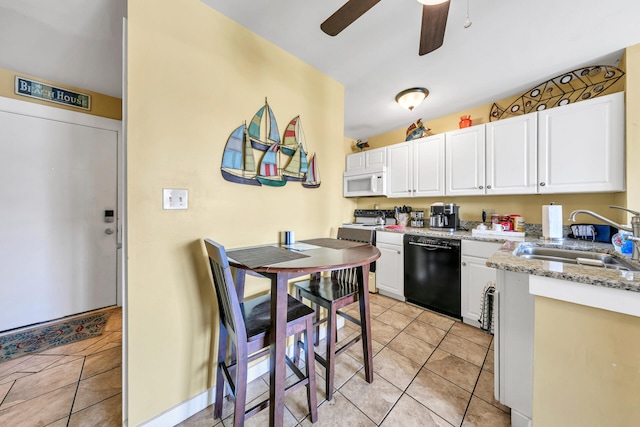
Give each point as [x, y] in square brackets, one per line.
[346, 15]
[434, 22]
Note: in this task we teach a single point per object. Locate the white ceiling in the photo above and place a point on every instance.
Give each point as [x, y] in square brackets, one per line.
[512, 45]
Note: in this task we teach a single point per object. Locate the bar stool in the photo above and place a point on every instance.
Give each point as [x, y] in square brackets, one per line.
[334, 293]
[247, 325]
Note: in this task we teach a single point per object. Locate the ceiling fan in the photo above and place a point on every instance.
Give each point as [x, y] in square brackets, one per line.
[434, 20]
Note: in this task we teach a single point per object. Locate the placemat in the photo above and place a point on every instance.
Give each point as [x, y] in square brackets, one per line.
[263, 255]
[333, 243]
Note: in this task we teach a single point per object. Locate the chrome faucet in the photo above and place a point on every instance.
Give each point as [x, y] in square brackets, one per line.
[635, 226]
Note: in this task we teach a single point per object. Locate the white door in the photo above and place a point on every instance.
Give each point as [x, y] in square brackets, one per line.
[57, 253]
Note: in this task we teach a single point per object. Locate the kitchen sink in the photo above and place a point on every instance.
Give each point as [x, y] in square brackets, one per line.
[594, 259]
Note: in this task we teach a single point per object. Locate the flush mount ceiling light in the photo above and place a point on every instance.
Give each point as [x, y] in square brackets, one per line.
[431, 2]
[411, 98]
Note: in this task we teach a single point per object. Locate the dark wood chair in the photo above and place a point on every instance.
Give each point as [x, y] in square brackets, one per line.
[334, 293]
[247, 325]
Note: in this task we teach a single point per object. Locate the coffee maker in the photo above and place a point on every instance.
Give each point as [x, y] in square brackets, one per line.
[444, 217]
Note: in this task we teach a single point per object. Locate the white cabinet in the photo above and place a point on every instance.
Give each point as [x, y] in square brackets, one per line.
[366, 160]
[513, 357]
[511, 155]
[465, 161]
[416, 168]
[581, 146]
[390, 265]
[475, 275]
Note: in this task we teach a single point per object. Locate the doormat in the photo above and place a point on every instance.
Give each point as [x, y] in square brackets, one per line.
[55, 334]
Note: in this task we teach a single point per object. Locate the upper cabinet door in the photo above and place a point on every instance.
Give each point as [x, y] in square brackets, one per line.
[465, 161]
[399, 174]
[428, 166]
[581, 147]
[511, 155]
[355, 162]
[377, 157]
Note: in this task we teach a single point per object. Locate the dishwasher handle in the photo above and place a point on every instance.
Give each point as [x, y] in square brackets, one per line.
[429, 246]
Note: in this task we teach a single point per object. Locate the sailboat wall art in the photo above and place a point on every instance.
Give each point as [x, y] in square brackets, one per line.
[261, 140]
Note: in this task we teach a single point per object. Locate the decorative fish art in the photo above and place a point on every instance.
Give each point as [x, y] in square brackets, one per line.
[574, 86]
[417, 130]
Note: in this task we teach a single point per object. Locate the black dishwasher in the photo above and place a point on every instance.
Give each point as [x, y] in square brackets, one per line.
[432, 273]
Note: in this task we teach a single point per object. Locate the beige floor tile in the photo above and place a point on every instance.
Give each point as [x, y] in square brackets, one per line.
[356, 351]
[43, 382]
[102, 361]
[382, 332]
[107, 413]
[407, 310]
[346, 367]
[374, 399]
[114, 323]
[66, 359]
[464, 349]
[255, 389]
[452, 368]
[98, 388]
[480, 414]
[492, 342]
[296, 402]
[41, 410]
[382, 300]
[261, 418]
[472, 334]
[36, 363]
[410, 413]
[74, 347]
[339, 412]
[8, 367]
[203, 418]
[489, 361]
[12, 377]
[485, 391]
[4, 389]
[395, 319]
[413, 348]
[62, 422]
[425, 332]
[439, 395]
[436, 320]
[375, 310]
[399, 370]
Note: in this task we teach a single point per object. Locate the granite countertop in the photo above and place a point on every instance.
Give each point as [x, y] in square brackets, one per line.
[504, 259]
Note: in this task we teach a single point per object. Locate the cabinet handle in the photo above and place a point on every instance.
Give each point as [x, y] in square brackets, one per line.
[542, 184]
[481, 187]
[488, 187]
[399, 253]
[464, 264]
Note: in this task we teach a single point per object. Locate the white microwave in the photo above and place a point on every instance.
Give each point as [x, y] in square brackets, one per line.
[372, 182]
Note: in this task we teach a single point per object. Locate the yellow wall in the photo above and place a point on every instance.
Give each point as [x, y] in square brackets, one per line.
[632, 100]
[101, 105]
[587, 369]
[528, 206]
[194, 76]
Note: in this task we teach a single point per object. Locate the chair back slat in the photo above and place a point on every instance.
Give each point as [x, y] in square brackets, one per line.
[228, 304]
[348, 275]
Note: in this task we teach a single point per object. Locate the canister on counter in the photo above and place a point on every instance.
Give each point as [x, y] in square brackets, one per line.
[495, 218]
[518, 223]
[505, 221]
[514, 218]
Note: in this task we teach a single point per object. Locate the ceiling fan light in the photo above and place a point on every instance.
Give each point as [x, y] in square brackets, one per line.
[411, 98]
[431, 2]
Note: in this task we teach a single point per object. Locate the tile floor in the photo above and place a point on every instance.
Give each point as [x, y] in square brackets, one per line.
[429, 371]
[78, 384]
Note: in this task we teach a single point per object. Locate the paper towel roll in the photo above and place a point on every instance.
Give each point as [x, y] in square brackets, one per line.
[552, 222]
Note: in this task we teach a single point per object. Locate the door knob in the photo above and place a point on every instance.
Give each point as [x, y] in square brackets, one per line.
[109, 231]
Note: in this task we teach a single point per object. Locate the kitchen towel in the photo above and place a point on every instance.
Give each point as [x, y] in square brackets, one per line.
[552, 221]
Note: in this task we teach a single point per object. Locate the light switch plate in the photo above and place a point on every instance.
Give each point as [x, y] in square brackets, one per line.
[173, 198]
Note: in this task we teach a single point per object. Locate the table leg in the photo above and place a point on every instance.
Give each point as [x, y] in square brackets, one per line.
[365, 320]
[279, 292]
